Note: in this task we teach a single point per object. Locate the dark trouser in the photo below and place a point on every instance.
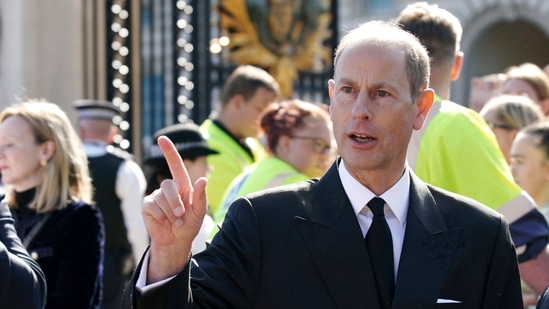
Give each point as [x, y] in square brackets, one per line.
[116, 274]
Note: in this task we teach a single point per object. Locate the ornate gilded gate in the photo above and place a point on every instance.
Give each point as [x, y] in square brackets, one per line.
[188, 48]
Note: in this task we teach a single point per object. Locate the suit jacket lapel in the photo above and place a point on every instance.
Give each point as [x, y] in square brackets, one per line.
[428, 250]
[334, 239]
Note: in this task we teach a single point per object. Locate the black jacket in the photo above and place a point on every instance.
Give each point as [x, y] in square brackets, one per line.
[543, 302]
[22, 282]
[69, 248]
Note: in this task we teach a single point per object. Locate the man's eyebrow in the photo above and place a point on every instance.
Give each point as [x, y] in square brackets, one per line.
[385, 85]
[391, 86]
[346, 80]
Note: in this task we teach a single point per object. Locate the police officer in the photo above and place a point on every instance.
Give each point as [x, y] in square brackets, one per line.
[119, 185]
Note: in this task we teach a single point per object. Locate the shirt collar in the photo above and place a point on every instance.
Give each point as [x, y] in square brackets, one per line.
[397, 197]
[95, 148]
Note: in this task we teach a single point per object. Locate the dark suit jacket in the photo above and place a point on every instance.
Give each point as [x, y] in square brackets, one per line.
[301, 246]
[543, 302]
[22, 283]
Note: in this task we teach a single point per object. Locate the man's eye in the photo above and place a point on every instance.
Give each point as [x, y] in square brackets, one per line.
[347, 89]
[382, 93]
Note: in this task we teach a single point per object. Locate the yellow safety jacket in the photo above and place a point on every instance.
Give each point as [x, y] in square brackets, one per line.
[229, 163]
[456, 150]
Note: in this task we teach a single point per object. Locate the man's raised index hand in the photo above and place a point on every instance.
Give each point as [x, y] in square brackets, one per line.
[193, 197]
[176, 166]
[173, 216]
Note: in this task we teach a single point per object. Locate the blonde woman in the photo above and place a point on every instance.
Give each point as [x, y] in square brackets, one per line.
[48, 190]
[529, 80]
[506, 114]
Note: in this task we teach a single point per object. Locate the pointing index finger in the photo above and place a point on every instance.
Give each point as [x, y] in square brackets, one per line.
[175, 164]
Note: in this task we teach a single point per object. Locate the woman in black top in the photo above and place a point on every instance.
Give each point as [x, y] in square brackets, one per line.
[48, 190]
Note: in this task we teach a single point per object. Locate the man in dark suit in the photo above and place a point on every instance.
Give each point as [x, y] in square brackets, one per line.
[303, 246]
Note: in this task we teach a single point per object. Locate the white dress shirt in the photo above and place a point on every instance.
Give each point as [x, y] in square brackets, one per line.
[396, 206]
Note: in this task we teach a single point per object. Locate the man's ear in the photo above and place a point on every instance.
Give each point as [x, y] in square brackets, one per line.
[237, 101]
[331, 86]
[112, 133]
[425, 101]
[282, 147]
[546, 171]
[456, 67]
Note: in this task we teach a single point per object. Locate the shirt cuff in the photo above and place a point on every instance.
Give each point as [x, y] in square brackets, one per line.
[141, 284]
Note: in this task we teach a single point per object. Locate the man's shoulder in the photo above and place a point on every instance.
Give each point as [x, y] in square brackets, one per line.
[120, 153]
[286, 201]
[298, 192]
[293, 189]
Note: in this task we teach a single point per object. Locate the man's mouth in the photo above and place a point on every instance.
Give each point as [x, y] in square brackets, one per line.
[361, 138]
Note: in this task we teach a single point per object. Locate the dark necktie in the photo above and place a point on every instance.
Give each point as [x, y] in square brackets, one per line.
[380, 247]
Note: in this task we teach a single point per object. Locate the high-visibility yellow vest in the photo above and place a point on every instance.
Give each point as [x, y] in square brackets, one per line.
[268, 173]
[229, 163]
[456, 150]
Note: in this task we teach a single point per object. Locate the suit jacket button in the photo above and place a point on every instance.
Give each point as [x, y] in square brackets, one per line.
[34, 255]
